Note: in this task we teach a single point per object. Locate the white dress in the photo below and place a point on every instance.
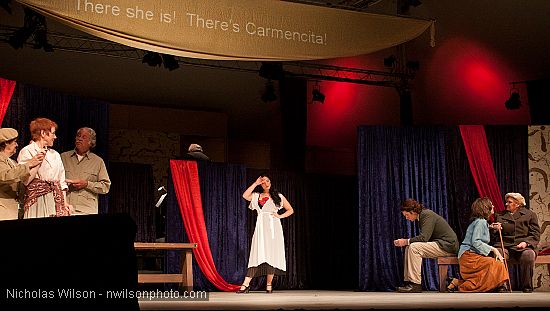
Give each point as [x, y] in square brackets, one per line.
[268, 244]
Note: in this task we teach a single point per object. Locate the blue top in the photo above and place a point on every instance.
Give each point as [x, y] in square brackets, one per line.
[477, 238]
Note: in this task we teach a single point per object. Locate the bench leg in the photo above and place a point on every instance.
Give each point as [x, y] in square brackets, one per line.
[442, 277]
[187, 271]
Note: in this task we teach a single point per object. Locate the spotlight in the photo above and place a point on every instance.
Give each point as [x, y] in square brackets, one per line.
[170, 62]
[269, 93]
[390, 61]
[316, 94]
[34, 25]
[413, 65]
[5, 4]
[513, 102]
[152, 59]
[406, 4]
[19, 37]
[272, 70]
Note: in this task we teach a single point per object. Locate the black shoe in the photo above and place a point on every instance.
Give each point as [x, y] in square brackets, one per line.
[502, 289]
[410, 288]
[244, 290]
[527, 290]
[452, 285]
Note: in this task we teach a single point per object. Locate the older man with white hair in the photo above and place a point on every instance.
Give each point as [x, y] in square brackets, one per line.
[520, 236]
[85, 173]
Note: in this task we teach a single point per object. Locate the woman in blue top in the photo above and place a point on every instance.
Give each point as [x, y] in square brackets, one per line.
[481, 265]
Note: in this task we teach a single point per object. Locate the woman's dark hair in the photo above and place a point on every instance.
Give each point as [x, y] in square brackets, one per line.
[411, 205]
[273, 193]
[481, 208]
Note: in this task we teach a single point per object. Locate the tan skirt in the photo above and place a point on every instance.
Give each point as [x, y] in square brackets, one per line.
[480, 273]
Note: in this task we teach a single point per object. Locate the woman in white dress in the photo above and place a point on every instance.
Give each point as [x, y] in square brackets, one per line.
[46, 186]
[267, 250]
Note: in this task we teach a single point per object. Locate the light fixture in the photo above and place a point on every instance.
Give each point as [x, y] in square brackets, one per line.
[413, 65]
[34, 25]
[5, 4]
[406, 4]
[390, 61]
[269, 93]
[316, 95]
[513, 101]
[152, 59]
[170, 62]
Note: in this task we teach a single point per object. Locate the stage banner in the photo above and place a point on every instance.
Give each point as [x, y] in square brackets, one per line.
[234, 29]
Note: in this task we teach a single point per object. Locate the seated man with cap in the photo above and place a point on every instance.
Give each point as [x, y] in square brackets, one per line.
[520, 236]
[11, 174]
[196, 153]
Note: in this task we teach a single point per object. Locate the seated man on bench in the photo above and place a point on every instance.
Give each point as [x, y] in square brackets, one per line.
[436, 239]
[520, 236]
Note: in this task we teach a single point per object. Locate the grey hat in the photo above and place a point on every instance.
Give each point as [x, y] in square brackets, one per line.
[516, 196]
[7, 134]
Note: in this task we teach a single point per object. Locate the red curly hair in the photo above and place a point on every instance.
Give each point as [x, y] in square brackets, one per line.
[41, 124]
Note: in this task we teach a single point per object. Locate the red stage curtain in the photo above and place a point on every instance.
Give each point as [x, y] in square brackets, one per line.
[481, 163]
[6, 91]
[185, 175]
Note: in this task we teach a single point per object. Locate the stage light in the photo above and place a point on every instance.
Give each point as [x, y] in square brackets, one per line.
[5, 4]
[406, 4]
[170, 62]
[316, 95]
[19, 37]
[34, 25]
[272, 70]
[152, 59]
[513, 101]
[269, 93]
[413, 65]
[390, 61]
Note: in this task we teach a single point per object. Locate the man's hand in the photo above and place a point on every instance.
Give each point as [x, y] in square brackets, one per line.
[521, 245]
[496, 226]
[76, 184]
[401, 242]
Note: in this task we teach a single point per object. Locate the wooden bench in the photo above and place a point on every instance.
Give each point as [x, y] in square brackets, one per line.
[444, 262]
[185, 278]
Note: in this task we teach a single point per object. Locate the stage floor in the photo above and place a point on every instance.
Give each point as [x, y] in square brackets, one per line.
[325, 300]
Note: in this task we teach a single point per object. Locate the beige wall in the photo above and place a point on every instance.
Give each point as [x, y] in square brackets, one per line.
[539, 193]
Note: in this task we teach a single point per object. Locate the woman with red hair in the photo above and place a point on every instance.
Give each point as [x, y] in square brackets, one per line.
[46, 186]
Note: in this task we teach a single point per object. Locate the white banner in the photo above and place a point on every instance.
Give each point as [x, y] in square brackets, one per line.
[234, 29]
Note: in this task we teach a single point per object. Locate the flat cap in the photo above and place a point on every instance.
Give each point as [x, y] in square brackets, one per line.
[7, 133]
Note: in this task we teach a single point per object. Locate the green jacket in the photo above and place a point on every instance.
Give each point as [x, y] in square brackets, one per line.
[433, 228]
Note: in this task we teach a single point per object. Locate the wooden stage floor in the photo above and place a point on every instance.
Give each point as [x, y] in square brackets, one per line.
[349, 300]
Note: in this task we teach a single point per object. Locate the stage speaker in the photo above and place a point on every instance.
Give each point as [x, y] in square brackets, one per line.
[75, 261]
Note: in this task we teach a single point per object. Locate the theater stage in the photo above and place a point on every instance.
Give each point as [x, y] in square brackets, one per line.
[325, 300]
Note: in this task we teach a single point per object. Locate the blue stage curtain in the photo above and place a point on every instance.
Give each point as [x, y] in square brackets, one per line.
[133, 195]
[395, 163]
[70, 112]
[509, 150]
[225, 216]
